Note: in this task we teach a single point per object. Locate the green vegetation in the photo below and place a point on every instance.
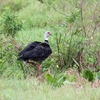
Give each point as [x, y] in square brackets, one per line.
[10, 23]
[30, 89]
[75, 43]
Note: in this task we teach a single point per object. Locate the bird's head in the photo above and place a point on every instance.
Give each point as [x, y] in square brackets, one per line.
[46, 35]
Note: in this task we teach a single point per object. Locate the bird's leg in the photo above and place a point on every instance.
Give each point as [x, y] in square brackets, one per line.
[38, 70]
[31, 63]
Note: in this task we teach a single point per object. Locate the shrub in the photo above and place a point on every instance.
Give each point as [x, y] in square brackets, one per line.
[9, 67]
[10, 24]
[76, 44]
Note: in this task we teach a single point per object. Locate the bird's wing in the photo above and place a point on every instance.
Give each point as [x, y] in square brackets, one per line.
[29, 47]
[42, 50]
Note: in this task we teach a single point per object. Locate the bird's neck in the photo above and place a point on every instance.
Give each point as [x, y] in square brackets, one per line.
[46, 38]
[46, 41]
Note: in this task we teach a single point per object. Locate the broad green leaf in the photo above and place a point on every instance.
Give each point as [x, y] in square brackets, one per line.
[88, 75]
[49, 78]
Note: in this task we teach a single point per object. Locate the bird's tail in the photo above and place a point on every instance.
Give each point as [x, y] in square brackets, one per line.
[20, 58]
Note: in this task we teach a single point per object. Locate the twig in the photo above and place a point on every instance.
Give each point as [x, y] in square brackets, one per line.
[82, 19]
[56, 9]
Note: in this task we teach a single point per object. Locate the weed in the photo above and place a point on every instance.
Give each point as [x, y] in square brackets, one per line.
[10, 24]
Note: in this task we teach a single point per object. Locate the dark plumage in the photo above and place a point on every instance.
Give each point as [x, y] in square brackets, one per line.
[36, 51]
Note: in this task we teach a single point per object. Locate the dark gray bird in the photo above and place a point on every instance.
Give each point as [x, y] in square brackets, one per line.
[36, 51]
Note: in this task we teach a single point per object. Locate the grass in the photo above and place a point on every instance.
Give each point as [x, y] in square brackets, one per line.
[32, 89]
[32, 35]
[39, 15]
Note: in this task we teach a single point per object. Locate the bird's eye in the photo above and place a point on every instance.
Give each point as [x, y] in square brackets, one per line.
[49, 33]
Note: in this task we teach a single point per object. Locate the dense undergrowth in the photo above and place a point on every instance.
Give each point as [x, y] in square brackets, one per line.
[75, 37]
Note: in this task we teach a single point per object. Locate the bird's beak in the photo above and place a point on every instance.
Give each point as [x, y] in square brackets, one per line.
[50, 34]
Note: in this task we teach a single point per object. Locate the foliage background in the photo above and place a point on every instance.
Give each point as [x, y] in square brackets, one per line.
[73, 67]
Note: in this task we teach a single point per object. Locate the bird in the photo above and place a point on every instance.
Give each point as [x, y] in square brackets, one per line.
[36, 52]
